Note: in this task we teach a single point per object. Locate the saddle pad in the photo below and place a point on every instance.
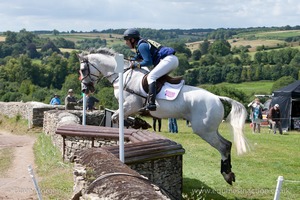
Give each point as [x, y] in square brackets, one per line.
[170, 91]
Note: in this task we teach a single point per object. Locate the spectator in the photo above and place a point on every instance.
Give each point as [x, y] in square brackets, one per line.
[90, 102]
[274, 118]
[256, 114]
[154, 124]
[70, 100]
[55, 100]
[173, 125]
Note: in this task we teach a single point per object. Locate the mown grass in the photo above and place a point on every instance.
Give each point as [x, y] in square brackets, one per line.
[56, 176]
[256, 171]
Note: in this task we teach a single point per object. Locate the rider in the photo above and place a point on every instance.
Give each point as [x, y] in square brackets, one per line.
[148, 53]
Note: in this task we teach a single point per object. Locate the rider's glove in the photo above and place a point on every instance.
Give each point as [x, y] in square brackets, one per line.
[135, 64]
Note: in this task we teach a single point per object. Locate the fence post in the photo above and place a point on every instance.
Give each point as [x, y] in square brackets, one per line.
[278, 187]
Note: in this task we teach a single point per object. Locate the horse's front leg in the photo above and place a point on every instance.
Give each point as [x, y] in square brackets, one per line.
[130, 106]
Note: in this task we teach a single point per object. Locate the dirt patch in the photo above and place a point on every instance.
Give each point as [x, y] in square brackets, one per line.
[16, 183]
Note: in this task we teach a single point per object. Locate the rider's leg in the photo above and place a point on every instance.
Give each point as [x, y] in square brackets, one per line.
[165, 66]
[151, 96]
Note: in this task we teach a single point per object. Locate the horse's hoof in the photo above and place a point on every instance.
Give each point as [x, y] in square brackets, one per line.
[229, 178]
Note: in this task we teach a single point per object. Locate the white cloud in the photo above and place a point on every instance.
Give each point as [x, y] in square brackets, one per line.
[86, 15]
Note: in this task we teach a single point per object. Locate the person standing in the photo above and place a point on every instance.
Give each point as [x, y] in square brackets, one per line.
[274, 118]
[256, 114]
[173, 125]
[90, 102]
[150, 53]
[55, 100]
[70, 101]
[154, 123]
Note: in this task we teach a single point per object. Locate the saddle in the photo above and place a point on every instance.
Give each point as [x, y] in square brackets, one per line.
[160, 82]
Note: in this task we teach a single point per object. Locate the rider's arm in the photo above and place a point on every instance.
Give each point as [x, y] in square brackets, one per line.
[145, 54]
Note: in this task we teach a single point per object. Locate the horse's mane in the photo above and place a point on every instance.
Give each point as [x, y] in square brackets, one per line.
[103, 50]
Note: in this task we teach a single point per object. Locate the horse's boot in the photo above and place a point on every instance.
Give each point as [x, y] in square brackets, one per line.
[151, 97]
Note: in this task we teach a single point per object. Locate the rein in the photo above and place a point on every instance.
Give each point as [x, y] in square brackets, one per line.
[90, 75]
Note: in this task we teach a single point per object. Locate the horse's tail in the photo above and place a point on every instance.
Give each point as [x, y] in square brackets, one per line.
[237, 118]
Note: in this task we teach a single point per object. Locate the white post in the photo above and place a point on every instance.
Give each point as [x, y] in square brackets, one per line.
[83, 109]
[120, 69]
[28, 117]
[30, 170]
[278, 188]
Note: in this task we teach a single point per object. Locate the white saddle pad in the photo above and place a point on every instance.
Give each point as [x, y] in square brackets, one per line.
[168, 91]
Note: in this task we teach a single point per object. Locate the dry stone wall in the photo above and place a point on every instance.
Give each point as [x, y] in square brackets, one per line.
[32, 111]
[165, 171]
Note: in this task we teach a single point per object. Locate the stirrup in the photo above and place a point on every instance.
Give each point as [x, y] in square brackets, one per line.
[147, 108]
[151, 107]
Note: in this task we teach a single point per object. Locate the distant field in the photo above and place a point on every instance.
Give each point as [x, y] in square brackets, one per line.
[254, 43]
[2, 38]
[280, 35]
[111, 39]
[250, 88]
[255, 39]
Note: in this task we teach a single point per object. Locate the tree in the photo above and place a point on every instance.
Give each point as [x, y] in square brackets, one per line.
[55, 32]
[197, 54]
[220, 47]
[191, 77]
[72, 82]
[234, 76]
[31, 51]
[214, 74]
[183, 65]
[204, 46]
[50, 46]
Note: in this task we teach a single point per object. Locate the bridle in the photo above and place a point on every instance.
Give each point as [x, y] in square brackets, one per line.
[91, 75]
[97, 79]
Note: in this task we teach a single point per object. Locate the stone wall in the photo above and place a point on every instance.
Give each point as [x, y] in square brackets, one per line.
[56, 118]
[31, 111]
[164, 170]
[74, 144]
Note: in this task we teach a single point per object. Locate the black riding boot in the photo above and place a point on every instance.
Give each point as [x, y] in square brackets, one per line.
[151, 97]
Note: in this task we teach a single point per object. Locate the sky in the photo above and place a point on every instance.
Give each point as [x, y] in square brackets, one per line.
[88, 15]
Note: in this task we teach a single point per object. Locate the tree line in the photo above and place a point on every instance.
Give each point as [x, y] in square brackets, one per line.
[34, 68]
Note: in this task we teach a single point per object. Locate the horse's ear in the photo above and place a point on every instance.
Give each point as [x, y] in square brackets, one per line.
[79, 56]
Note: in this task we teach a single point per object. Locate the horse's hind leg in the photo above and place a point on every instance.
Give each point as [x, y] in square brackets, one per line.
[224, 147]
[226, 160]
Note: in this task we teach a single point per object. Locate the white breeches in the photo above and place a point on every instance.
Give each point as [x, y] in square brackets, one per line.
[165, 66]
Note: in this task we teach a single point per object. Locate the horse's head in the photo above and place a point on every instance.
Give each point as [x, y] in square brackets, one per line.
[89, 74]
[100, 62]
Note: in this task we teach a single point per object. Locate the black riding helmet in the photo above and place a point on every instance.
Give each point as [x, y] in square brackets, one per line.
[131, 33]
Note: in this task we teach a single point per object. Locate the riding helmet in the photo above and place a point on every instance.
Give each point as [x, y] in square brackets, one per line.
[131, 33]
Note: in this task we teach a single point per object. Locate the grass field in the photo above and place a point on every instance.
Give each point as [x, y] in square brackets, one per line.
[281, 35]
[251, 88]
[256, 172]
[111, 39]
